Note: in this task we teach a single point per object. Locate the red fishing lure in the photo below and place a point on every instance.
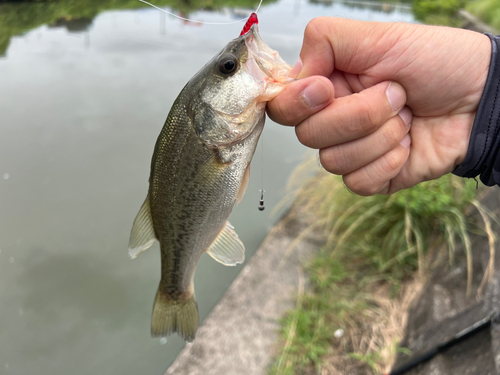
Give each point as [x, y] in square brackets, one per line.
[251, 20]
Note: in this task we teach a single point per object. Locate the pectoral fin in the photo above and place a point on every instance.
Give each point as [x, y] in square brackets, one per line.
[227, 247]
[143, 233]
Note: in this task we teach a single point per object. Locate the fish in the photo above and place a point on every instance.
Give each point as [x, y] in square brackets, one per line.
[200, 168]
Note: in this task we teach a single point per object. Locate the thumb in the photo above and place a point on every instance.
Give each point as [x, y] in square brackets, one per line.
[342, 44]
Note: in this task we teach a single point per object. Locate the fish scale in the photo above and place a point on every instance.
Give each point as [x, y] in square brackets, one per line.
[183, 204]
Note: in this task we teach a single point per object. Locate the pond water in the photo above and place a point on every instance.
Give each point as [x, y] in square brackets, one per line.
[82, 101]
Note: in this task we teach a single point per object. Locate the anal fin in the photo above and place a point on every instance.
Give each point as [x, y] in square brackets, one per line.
[227, 247]
[143, 234]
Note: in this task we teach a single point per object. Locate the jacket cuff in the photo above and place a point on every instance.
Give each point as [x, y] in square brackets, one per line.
[484, 145]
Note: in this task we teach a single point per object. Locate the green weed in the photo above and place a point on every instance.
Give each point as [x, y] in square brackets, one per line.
[361, 279]
[486, 10]
[389, 235]
[438, 12]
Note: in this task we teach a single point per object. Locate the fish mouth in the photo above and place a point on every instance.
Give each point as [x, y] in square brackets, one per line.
[263, 63]
[261, 76]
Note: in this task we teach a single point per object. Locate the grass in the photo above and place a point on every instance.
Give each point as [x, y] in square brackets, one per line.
[487, 10]
[444, 12]
[377, 251]
[438, 12]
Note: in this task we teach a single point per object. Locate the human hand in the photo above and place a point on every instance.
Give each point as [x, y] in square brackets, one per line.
[388, 105]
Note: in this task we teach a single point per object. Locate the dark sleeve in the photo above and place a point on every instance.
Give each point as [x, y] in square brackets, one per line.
[484, 146]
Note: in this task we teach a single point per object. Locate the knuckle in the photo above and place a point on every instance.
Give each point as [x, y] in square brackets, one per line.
[363, 121]
[354, 127]
[391, 137]
[332, 161]
[373, 115]
[313, 28]
[304, 134]
[282, 113]
[357, 186]
[308, 134]
[370, 114]
[370, 190]
[392, 162]
[340, 159]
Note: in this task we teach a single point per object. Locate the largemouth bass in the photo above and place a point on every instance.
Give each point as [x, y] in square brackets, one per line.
[200, 168]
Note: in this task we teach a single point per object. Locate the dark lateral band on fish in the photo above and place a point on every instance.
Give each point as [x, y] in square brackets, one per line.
[200, 168]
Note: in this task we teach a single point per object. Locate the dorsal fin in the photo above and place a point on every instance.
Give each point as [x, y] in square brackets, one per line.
[143, 233]
[227, 247]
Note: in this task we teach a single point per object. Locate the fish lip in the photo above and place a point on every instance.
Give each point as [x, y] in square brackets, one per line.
[274, 68]
[254, 44]
[253, 33]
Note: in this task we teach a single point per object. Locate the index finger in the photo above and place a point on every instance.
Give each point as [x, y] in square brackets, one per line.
[337, 43]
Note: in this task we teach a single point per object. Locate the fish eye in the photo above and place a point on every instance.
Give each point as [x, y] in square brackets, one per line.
[228, 64]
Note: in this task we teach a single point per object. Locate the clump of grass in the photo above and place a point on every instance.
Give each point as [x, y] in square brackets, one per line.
[445, 12]
[486, 10]
[370, 268]
[371, 319]
[389, 235]
[438, 12]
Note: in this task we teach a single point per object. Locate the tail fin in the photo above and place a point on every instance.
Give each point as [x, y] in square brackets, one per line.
[171, 316]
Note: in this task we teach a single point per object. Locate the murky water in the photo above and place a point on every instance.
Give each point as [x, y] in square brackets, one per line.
[81, 105]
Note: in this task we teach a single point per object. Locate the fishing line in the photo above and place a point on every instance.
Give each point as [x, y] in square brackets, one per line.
[205, 23]
[261, 201]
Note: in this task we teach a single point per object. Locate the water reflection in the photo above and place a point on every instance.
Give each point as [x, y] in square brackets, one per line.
[86, 299]
[374, 5]
[77, 15]
[73, 25]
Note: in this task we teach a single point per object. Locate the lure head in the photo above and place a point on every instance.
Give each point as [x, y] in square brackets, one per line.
[252, 20]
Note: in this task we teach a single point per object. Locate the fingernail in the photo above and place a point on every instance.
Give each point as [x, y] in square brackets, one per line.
[296, 69]
[406, 142]
[406, 116]
[396, 96]
[316, 93]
